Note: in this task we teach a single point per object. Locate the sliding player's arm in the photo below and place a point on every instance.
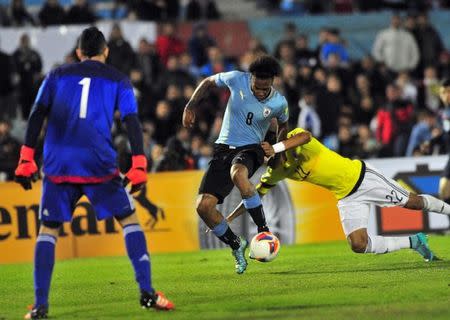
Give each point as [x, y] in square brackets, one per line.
[199, 94]
[127, 106]
[27, 169]
[293, 142]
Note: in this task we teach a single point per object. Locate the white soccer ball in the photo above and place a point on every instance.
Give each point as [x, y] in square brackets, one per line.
[264, 247]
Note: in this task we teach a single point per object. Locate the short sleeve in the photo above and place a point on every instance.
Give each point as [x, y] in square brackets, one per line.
[283, 115]
[224, 78]
[270, 179]
[126, 102]
[45, 94]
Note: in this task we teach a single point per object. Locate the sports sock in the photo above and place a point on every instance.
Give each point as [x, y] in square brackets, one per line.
[255, 208]
[226, 235]
[138, 254]
[378, 244]
[44, 260]
[433, 204]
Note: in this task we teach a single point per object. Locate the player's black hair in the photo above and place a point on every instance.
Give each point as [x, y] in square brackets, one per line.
[264, 67]
[445, 83]
[92, 42]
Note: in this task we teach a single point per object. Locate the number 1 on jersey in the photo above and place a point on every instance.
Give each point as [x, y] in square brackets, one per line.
[86, 83]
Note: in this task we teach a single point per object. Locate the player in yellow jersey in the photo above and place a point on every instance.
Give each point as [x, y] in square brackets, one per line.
[355, 184]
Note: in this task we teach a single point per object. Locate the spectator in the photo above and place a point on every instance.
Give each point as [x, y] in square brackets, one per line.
[7, 108]
[216, 63]
[346, 142]
[168, 44]
[429, 90]
[173, 75]
[366, 144]
[52, 13]
[407, 87]
[202, 9]
[28, 65]
[163, 122]
[199, 44]
[289, 36]
[148, 61]
[329, 102]
[121, 54]
[80, 13]
[364, 111]
[9, 151]
[186, 65]
[303, 54]
[5, 19]
[286, 53]
[444, 65]
[429, 42]
[396, 48]
[308, 118]
[334, 45]
[421, 131]
[394, 122]
[175, 157]
[291, 92]
[19, 14]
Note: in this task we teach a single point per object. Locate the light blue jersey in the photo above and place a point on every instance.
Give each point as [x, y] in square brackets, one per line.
[247, 119]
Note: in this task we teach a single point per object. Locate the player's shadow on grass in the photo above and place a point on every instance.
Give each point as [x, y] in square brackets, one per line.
[440, 264]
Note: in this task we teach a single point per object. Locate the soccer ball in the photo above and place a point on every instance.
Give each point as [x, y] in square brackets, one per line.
[264, 247]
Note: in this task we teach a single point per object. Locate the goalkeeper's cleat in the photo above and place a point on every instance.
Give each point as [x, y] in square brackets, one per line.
[39, 312]
[156, 300]
[419, 243]
[239, 256]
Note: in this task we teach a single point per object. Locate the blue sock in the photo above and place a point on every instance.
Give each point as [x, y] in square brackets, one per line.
[139, 256]
[255, 208]
[44, 260]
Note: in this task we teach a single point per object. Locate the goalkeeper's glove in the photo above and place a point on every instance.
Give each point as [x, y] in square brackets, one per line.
[137, 175]
[27, 170]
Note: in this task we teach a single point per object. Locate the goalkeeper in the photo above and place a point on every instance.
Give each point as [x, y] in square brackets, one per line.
[356, 186]
[79, 101]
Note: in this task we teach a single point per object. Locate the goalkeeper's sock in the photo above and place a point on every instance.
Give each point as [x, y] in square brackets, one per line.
[139, 256]
[255, 208]
[44, 260]
[226, 235]
[378, 244]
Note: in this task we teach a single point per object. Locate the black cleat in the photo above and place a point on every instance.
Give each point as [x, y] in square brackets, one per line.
[39, 312]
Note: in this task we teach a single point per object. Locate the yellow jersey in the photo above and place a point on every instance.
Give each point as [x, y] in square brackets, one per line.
[315, 163]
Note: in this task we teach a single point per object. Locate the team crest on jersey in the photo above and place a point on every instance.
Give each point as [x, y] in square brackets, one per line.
[266, 112]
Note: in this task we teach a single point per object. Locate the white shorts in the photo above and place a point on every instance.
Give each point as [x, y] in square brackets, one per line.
[375, 189]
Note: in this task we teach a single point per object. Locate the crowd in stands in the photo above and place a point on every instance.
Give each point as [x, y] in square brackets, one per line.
[53, 13]
[383, 105]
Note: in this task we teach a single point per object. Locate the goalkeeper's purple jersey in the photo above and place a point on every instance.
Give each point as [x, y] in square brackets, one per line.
[80, 100]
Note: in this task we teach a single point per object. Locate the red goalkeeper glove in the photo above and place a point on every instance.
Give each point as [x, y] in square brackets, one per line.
[137, 174]
[27, 170]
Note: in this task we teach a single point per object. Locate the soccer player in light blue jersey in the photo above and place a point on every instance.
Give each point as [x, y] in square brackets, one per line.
[79, 101]
[252, 105]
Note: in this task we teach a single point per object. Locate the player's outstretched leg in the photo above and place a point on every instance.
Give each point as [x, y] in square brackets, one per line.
[136, 246]
[361, 242]
[250, 198]
[44, 260]
[206, 209]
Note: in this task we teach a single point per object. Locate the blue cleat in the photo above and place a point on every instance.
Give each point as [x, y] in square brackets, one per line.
[239, 255]
[419, 243]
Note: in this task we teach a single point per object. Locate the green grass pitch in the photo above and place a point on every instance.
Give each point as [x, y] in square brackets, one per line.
[322, 281]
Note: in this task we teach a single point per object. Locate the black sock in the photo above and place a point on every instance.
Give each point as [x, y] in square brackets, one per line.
[259, 218]
[230, 239]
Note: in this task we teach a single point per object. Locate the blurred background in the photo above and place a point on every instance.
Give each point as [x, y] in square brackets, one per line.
[362, 76]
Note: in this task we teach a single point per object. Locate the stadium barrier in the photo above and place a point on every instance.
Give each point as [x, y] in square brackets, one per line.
[298, 211]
